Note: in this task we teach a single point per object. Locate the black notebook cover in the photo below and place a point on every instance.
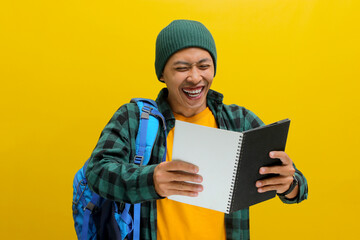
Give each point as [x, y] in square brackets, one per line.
[254, 153]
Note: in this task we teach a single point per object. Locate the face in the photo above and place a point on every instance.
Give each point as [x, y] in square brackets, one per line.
[188, 75]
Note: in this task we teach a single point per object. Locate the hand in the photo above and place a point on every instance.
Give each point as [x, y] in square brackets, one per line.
[282, 182]
[172, 178]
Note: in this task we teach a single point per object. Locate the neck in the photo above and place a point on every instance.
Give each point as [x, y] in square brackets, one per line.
[186, 112]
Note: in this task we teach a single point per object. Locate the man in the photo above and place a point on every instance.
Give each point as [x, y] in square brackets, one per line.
[186, 62]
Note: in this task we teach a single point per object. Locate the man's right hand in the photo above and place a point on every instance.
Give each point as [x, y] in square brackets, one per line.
[172, 178]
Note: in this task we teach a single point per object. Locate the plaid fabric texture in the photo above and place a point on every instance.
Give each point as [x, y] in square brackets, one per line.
[112, 174]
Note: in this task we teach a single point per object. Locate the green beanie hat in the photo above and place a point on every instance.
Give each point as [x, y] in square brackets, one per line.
[180, 34]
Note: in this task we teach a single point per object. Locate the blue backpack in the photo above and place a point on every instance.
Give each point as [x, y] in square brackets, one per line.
[99, 218]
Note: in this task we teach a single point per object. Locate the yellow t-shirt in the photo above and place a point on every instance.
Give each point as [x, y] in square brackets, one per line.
[179, 221]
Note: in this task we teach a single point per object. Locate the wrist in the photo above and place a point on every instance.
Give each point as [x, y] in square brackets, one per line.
[293, 195]
[290, 193]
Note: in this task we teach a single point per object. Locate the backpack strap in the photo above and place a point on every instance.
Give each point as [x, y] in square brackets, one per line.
[126, 217]
[145, 139]
[88, 209]
[148, 128]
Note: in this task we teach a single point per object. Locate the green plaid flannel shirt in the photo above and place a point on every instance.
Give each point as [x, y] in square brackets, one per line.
[112, 174]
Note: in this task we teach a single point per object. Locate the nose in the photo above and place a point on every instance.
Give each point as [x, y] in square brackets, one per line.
[194, 75]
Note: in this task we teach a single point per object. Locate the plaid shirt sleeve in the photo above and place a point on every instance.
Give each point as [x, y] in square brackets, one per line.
[110, 172]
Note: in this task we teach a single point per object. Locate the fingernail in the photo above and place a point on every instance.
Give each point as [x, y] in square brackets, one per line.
[262, 170]
[198, 179]
[260, 190]
[258, 184]
[271, 154]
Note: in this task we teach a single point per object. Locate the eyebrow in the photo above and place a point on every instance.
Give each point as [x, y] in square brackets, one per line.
[189, 64]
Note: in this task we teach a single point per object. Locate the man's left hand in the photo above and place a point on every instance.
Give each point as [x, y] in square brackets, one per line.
[282, 182]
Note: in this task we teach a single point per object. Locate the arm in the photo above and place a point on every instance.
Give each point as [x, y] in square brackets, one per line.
[109, 172]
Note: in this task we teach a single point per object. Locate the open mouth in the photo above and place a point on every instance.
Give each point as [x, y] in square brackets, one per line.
[193, 92]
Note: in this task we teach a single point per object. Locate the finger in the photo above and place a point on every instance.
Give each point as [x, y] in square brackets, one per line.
[185, 186]
[182, 193]
[284, 158]
[163, 178]
[286, 170]
[278, 188]
[179, 188]
[274, 181]
[178, 165]
[183, 177]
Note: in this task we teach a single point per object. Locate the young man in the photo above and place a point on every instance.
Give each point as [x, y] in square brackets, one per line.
[186, 63]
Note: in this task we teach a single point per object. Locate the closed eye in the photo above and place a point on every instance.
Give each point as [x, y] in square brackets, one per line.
[204, 66]
[182, 69]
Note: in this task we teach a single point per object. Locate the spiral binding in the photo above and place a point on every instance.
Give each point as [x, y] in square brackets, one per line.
[233, 179]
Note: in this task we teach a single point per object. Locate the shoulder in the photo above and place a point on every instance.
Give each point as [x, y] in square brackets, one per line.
[125, 119]
[242, 118]
[126, 112]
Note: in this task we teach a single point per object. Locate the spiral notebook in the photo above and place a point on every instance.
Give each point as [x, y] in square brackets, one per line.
[229, 162]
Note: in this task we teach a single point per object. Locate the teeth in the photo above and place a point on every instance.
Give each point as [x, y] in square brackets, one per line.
[193, 91]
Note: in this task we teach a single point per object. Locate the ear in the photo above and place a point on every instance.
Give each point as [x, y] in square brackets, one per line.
[162, 78]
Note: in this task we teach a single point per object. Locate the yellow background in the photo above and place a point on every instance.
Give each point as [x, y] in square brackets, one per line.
[66, 66]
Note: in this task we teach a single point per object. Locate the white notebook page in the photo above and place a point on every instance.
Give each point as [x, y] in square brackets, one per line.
[214, 152]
